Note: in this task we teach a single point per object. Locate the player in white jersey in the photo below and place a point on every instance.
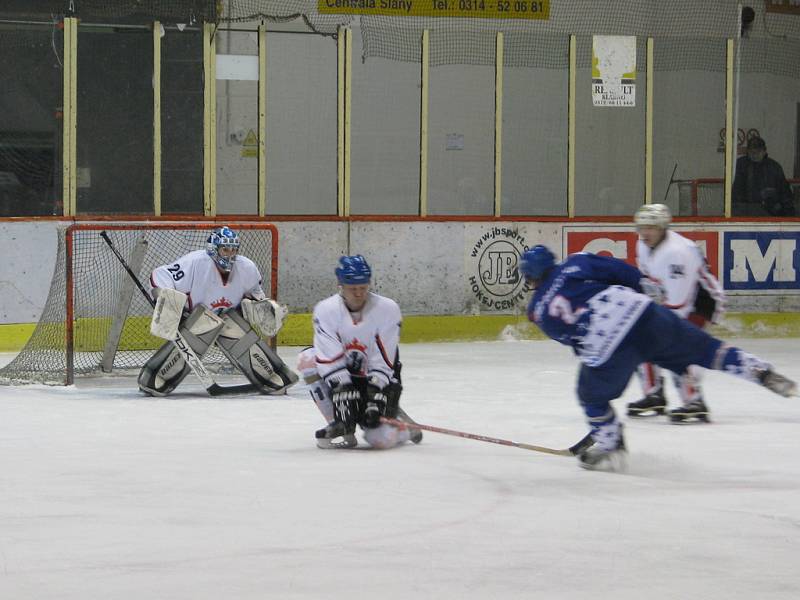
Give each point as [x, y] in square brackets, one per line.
[222, 294]
[352, 369]
[676, 264]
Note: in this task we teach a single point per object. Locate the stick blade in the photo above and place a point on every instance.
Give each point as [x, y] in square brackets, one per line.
[581, 445]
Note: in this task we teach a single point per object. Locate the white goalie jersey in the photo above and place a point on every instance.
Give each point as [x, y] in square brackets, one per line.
[197, 276]
[362, 343]
[679, 266]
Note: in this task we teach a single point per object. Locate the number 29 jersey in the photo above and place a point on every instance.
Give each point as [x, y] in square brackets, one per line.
[197, 276]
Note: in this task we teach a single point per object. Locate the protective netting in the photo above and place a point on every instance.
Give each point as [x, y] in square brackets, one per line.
[280, 11]
[117, 11]
[110, 316]
[685, 26]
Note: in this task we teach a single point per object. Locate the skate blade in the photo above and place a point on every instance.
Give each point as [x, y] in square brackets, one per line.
[616, 462]
[343, 443]
[689, 419]
[643, 414]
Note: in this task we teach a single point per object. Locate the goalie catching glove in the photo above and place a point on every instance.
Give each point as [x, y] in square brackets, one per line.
[265, 315]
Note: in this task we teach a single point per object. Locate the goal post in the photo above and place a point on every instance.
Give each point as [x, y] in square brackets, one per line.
[94, 319]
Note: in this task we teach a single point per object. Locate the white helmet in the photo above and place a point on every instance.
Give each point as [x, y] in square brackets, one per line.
[653, 215]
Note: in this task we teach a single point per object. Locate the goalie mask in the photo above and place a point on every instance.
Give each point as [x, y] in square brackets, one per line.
[223, 246]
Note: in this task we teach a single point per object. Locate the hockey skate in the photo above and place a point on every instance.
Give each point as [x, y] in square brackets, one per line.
[777, 383]
[650, 406]
[335, 437]
[595, 458]
[695, 411]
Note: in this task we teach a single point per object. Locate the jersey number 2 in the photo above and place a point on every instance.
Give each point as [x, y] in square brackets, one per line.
[560, 308]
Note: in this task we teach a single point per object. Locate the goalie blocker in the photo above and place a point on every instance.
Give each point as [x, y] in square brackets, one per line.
[237, 340]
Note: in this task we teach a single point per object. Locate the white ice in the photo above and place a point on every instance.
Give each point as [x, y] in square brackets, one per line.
[106, 494]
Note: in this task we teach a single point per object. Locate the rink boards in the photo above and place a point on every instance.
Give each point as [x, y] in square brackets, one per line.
[454, 279]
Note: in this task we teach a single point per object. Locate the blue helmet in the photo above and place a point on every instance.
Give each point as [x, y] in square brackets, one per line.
[353, 270]
[223, 237]
[535, 262]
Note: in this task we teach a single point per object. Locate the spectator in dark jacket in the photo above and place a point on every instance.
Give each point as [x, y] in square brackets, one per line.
[760, 188]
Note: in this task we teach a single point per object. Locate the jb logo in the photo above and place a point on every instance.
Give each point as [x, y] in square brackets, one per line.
[501, 266]
[497, 283]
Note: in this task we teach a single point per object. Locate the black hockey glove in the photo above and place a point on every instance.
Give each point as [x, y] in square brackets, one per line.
[345, 405]
[376, 407]
[392, 393]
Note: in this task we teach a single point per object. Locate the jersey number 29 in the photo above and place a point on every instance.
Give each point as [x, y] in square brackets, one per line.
[177, 274]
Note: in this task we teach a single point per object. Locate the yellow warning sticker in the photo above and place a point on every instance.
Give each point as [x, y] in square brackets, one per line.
[251, 139]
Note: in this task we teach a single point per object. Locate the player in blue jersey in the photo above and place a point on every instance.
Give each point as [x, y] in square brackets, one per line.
[603, 308]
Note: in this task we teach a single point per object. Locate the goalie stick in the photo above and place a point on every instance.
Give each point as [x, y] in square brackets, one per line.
[187, 353]
[573, 450]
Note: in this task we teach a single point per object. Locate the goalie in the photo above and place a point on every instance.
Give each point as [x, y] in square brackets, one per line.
[214, 296]
[352, 369]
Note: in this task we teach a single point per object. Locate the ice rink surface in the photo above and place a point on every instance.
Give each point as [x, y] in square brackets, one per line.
[106, 494]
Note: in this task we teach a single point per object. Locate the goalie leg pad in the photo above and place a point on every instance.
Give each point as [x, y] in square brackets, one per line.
[163, 372]
[167, 368]
[252, 356]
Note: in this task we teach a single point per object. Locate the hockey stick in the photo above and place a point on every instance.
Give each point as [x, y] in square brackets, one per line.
[187, 353]
[416, 436]
[573, 450]
[671, 181]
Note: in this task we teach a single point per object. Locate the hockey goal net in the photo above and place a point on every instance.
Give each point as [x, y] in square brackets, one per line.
[96, 319]
[705, 196]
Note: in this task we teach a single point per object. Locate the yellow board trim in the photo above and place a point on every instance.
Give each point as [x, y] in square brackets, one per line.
[297, 331]
[157, 118]
[340, 90]
[498, 125]
[730, 134]
[571, 126]
[648, 136]
[262, 120]
[425, 70]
